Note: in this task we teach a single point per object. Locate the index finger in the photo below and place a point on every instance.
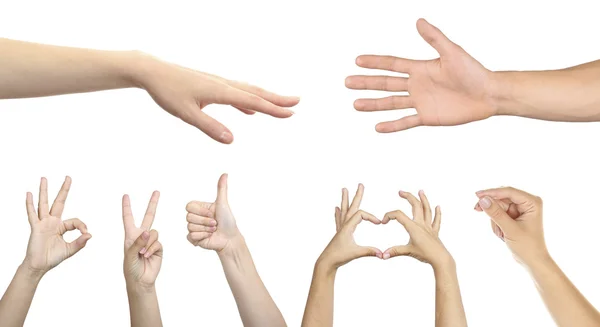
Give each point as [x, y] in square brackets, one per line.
[128, 221]
[151, 211]
[518, 197]
[59, 203]
[390, 63]
[240, 98]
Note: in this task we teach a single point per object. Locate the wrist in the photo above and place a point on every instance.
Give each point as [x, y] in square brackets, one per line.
[444, 263]
[500, 93]
[137, 288]
[30, 274]
[540, 261]
[234, 247]
[139, 68]
[325, 267]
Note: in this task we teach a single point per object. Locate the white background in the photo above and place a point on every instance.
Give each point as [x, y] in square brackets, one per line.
[286, 175]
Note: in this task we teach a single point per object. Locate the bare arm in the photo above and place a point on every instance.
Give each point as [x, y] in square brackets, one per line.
[341, 250]
[255, 305]
[16, 301]
[571, 94]
[517, 219]
[34, 70]
[319, 306]
[566, 304]
[212, 226]
[449, 310]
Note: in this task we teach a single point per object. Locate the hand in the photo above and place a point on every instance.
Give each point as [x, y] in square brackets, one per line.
[184, 92]
[47, 248]
[143, 251]
[342, 248]
[424, 244]
[211, 225]
[516, 218]
[451, 90]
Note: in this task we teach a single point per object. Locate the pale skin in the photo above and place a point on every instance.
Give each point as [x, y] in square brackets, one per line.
[456, 89]
[46, 250]
[426, 246]
[141, 265]
[212, 226]
[35, 70]
[341, 250]
[516, 218]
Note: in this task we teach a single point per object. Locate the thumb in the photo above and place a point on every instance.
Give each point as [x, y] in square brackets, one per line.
[78, 244]
[397, 251]
[222, 189]
[139, 244]
[434, 37]
[497, 214]
[369, 251]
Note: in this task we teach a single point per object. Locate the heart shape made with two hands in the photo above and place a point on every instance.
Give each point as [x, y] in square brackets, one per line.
[423, 229]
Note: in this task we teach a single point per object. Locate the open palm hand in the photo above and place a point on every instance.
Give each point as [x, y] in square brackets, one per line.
[450, 90]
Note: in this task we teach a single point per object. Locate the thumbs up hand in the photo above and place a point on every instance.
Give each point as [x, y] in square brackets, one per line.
[211, 225]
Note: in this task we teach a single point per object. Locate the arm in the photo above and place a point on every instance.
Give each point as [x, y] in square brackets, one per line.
[34, 70]
[141, 265]
[46, 250]
[425, 246]
[517, 219]
[255, 305]
[319, 306]
[470, 92]
[571, 94]
[341, 250]
[448, 301]
[566, 304]
[17, 299]
[212, 226]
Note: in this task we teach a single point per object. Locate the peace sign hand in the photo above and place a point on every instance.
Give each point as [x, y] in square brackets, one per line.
[143, 251]
[47, 248]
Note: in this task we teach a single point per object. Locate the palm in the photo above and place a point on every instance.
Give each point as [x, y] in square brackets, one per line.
[47, 248]
[143, 269]
[450, 90]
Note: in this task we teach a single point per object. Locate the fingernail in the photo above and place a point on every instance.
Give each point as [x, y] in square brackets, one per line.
[421, 192]
[485, 202]
[226, 137]
[213, 223]
[478, 192]
[147, 255]
[212, 229]
[143, 250]
[145, 235]
[379, 255]
[386, 256]
[291, 112]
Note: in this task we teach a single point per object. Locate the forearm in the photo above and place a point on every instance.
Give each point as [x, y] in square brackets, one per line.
[566, 304]
[319, 306]
[143, 306]
[571, 94]
[17, 299]
[255, 305]
[449, 310]
[34, 70]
